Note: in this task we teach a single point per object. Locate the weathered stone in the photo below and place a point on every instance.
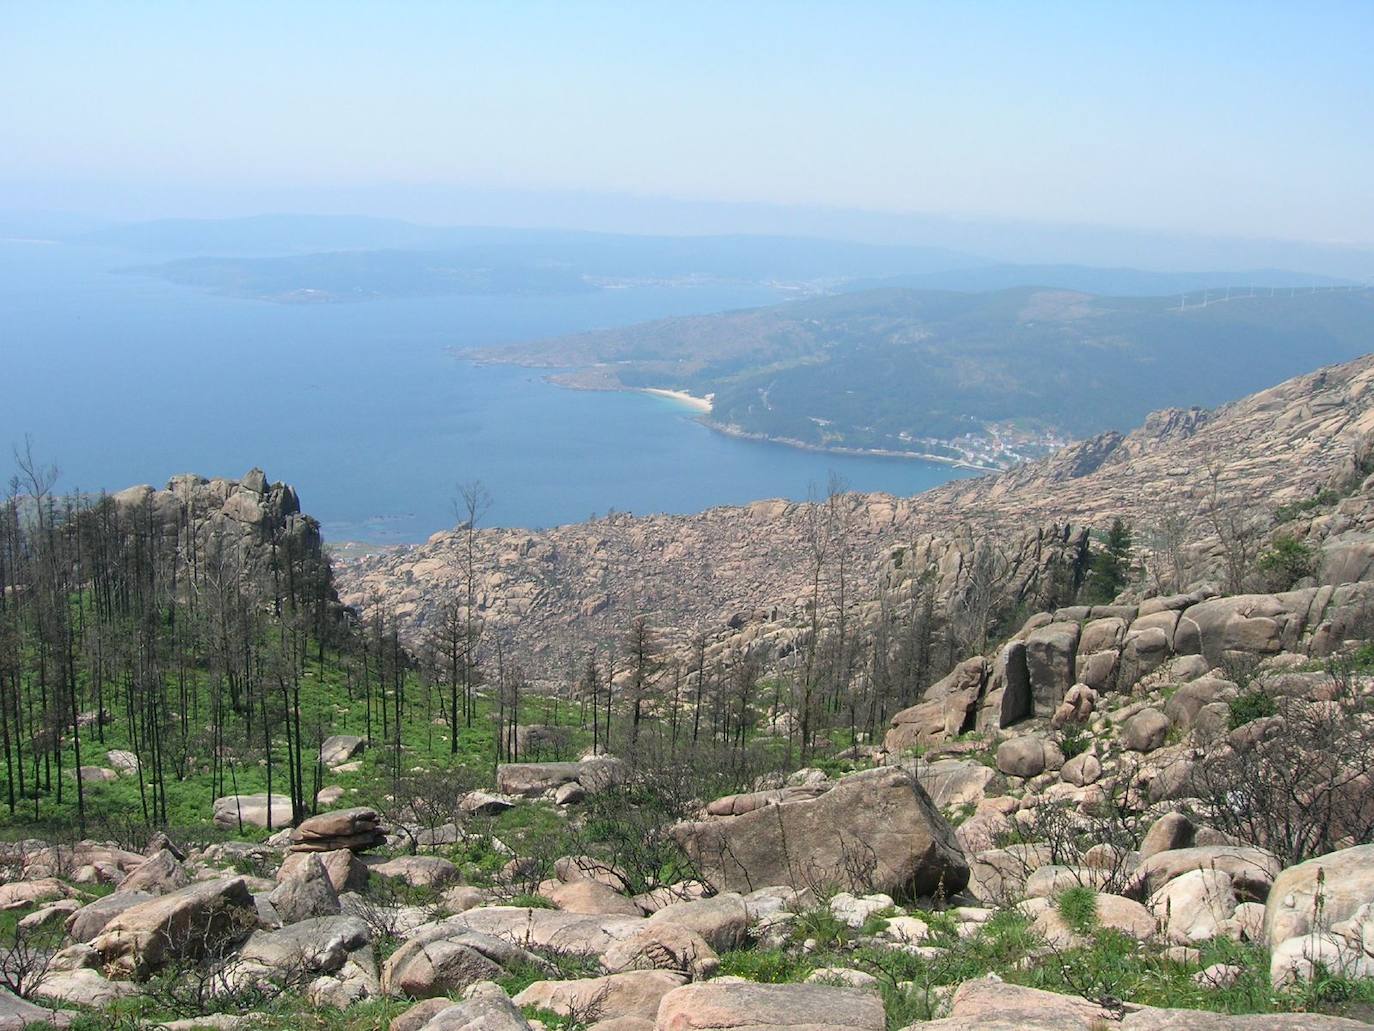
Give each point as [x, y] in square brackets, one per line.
[1050, 654]
[340, 748]
[485, 803]
[252, 811]
[1145, 731]
[304, 890]
[90, 919]
[947, 710]
[1113, 911]
[357, 829]
[180, 925]
[1171, 831]
[1345, 880]
[1027, 755]
[435, 962]
[736, 1006]
[530, 780]
[665, 946]
[1195, 905]
[158, 875]
[485, 1013]
[881, 819]
[345, 870]
[541, 928]
[723, 920]
[1083, 769]
[588, 896]
[1252, 870]
[1187, 701]
[634, 993]
[955, 782]
[418, 871]
[83, 987]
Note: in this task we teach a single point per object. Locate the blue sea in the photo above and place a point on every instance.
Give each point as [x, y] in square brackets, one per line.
[120, 379]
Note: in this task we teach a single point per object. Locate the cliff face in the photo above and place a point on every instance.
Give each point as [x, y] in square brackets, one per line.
[748, 570]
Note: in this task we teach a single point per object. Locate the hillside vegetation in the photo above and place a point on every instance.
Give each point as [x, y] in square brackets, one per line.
[984, 377]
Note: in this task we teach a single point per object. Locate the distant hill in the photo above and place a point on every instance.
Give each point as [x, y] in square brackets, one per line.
[287, 257]
[984, 377]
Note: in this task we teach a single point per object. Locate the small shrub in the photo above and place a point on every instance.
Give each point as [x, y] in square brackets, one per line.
[767, 966]
[1074, 740]
[1251, 705]
[1287, 561]
[1078, 908]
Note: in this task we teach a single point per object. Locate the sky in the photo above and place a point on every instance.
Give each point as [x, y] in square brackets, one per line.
[1251, 120]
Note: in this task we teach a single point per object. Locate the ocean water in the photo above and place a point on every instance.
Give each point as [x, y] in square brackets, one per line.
[122, 379]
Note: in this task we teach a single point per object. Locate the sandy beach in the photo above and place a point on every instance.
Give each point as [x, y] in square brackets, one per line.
[701, 404]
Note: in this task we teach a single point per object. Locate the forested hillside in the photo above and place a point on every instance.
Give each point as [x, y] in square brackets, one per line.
[983, 377]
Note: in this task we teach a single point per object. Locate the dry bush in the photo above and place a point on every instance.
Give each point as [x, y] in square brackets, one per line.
[1299, 783]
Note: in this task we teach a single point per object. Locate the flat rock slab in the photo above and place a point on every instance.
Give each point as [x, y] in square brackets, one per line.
[737, 1006]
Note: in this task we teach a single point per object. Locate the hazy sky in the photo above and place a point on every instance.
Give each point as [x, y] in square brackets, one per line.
[1250, 119]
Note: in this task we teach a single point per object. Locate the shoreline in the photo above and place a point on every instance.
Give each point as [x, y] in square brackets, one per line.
[852, 452]
[704, 405]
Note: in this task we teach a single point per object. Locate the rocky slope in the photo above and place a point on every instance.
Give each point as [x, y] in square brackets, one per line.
[749, 569]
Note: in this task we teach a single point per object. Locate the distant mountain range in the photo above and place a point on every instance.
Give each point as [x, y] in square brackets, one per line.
[985, 378]
[296, 258]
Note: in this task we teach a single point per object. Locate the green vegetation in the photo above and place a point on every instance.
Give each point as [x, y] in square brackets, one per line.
[1286, 562]
[1251, 705]
[1109, 567]
[1078, 908]
[914, 370]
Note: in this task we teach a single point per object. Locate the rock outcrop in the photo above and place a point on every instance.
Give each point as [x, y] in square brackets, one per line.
[877, 829]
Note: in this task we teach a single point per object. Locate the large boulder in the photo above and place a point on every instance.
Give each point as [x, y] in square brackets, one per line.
[948, 708]
[745, 1006]
[1050, 654]
[252, 811]
[634, 993]
[723, 920]
[1252, 870]
[357, 829]
[17, 1013]
[1028, 755]
[989, 1004]
[588, 896]
[346, 872]
[159, 874]
[955, 782]
[1344, 880]
[184, 924]
[1195, 906]
[1188, 700]
[419, 871]
[340, 748]
[666, 946]
[304, 890]
[487, 1012]
[435, 962]
[876, 830]
[90, 919]
[1145, 731]
[530, 780]
[302, 951]
[578, 933]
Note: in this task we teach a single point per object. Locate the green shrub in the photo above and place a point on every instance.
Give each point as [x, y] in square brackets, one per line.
[1078, 908]
[1287, 561]
[1074, 740]
[1251, 705]
[768, 966]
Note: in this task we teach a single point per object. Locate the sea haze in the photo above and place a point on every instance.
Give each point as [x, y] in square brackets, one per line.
[123, 379]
